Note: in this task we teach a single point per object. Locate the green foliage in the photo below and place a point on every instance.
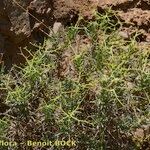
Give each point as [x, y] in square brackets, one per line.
[89, 84]
[4, 124]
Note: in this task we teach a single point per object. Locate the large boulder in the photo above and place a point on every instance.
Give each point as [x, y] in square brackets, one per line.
[19, 24]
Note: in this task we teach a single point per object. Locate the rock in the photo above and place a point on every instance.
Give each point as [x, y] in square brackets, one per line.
[134, 14]
[19, 19]
[18, 25]
[139, 134]
[40, 7]
[57, 26]
[124, 34]
[24, 21]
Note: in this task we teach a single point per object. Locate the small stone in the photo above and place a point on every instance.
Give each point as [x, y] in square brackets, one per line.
[57, 26]
[124, 34]
[139, 133]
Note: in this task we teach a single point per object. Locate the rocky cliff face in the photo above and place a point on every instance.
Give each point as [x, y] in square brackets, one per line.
[24, 21]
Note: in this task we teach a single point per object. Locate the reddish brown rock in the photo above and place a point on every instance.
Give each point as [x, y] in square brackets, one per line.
[134, 13]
